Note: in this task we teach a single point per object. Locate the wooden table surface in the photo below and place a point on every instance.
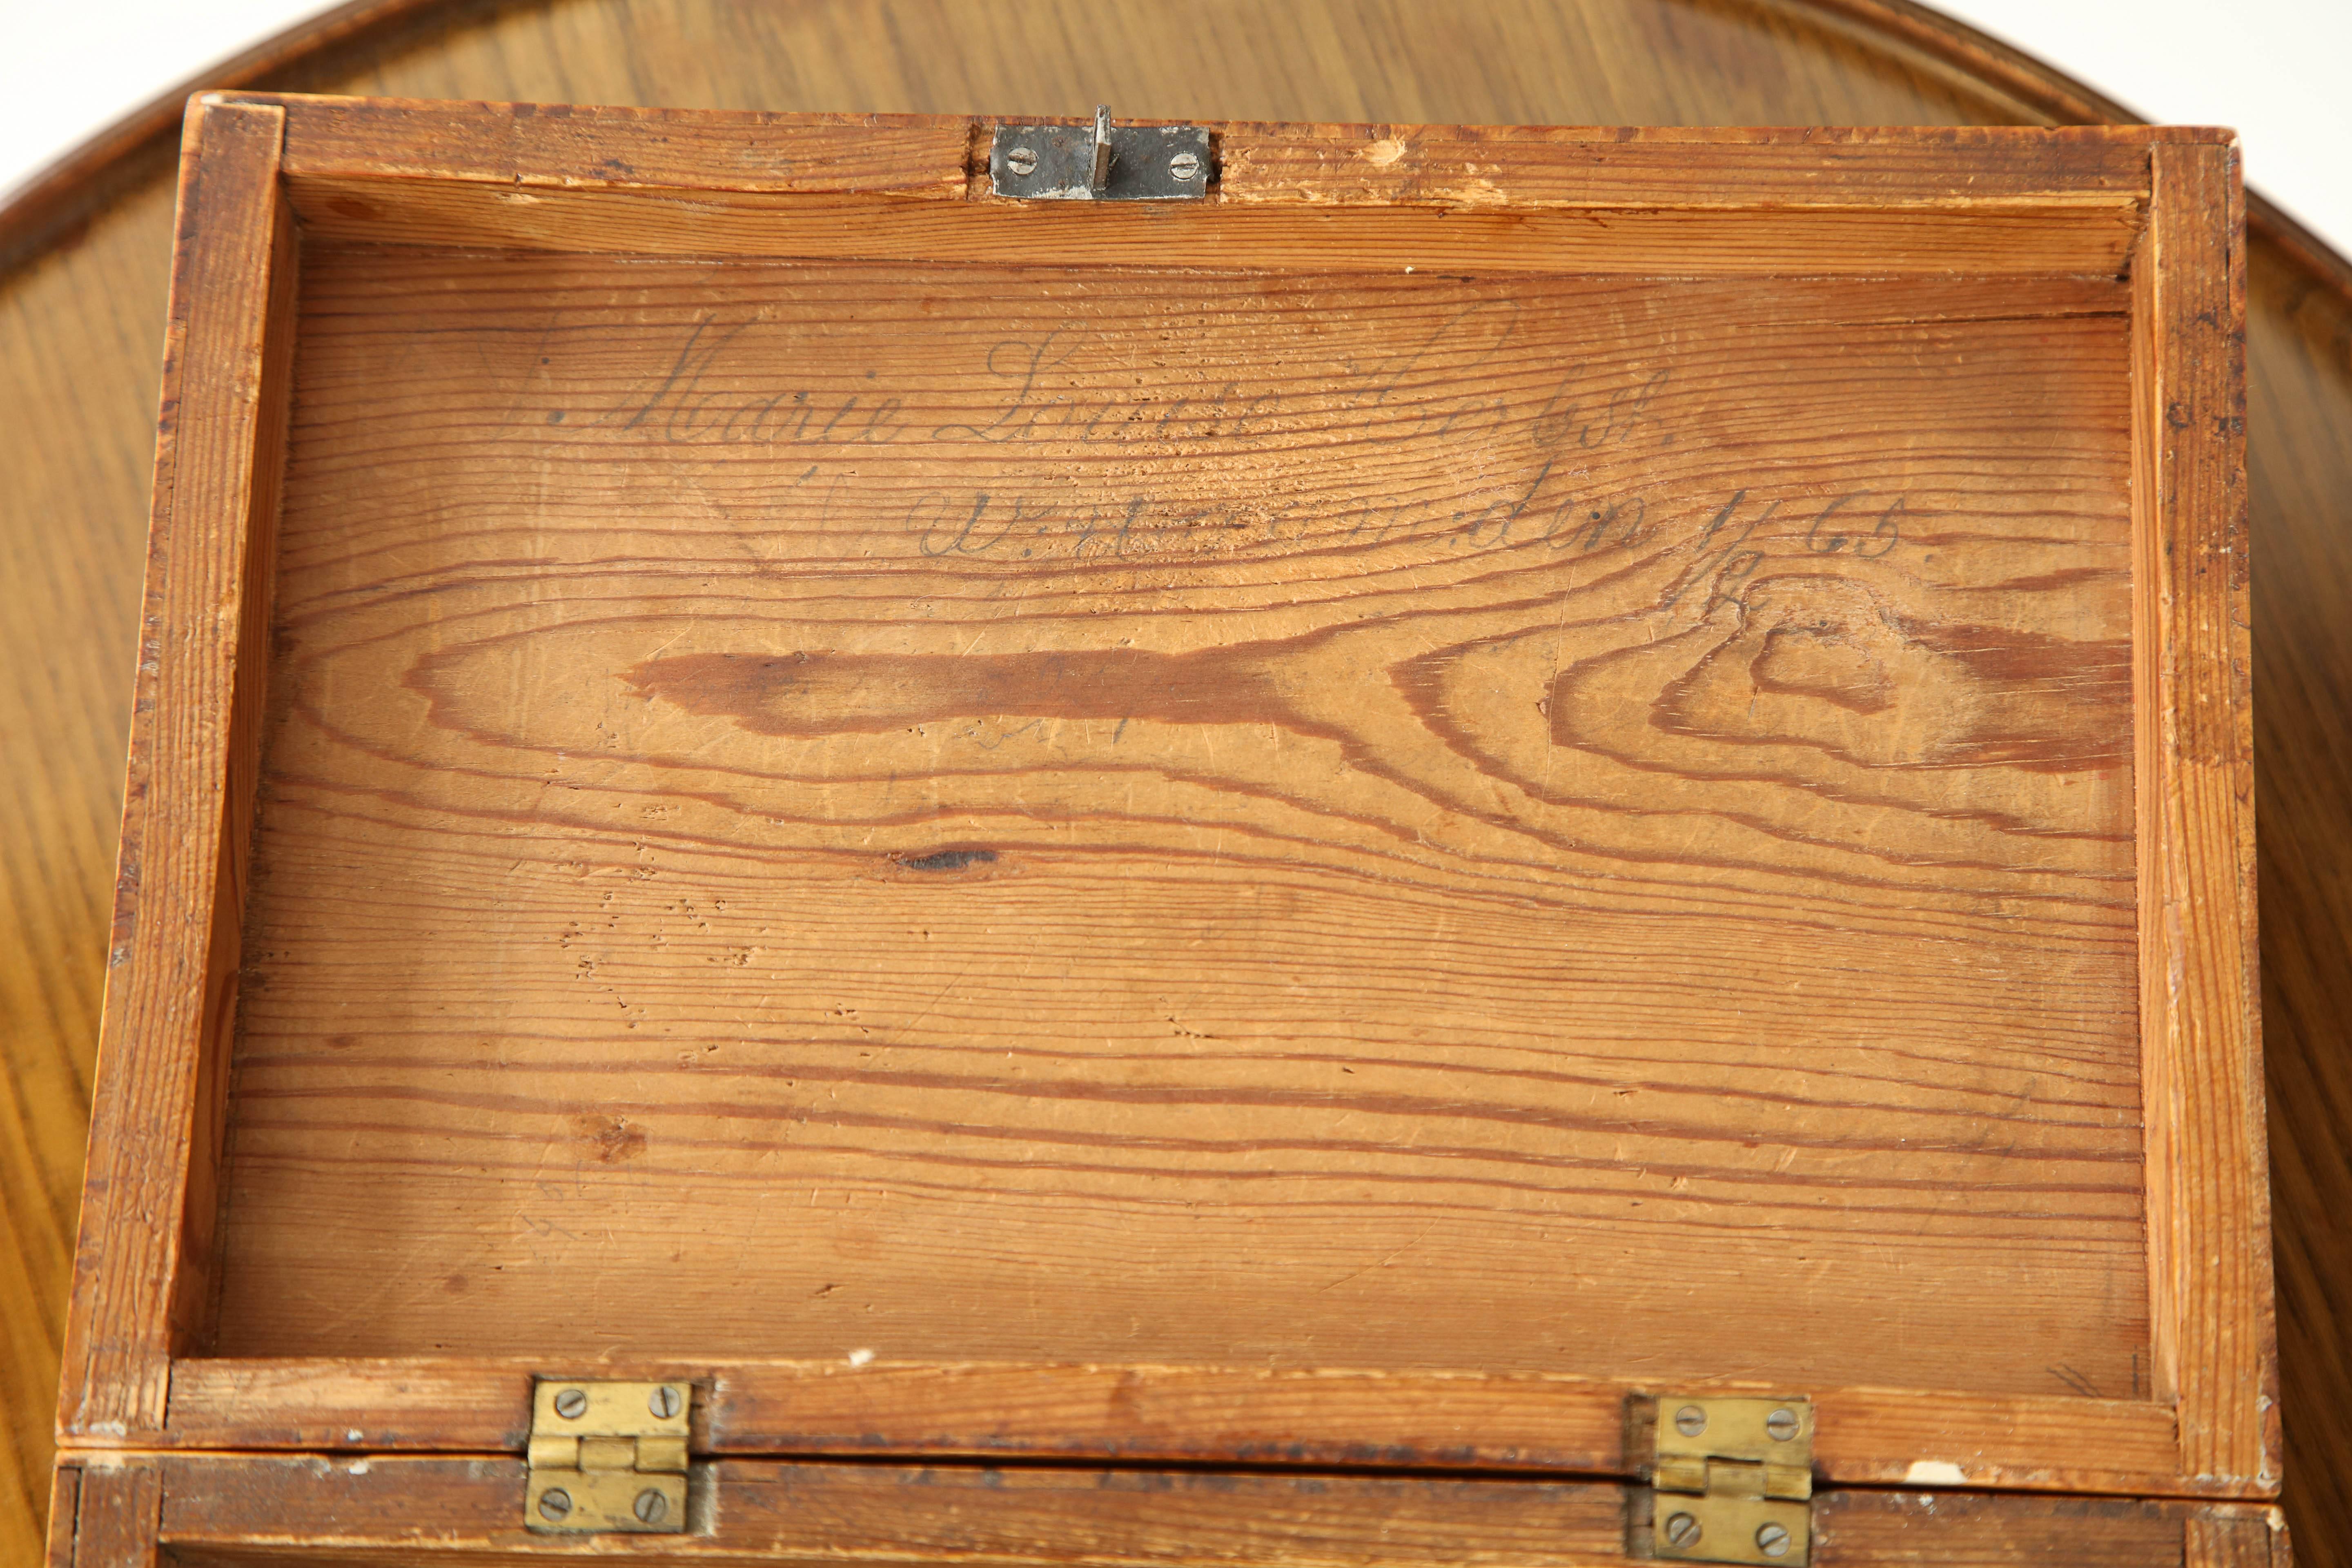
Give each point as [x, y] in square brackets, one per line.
[83, 260]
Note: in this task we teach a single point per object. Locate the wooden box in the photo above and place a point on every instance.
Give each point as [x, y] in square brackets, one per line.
[1492, 846]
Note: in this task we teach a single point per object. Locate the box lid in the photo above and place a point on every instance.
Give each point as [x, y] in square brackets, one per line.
[1486, 774]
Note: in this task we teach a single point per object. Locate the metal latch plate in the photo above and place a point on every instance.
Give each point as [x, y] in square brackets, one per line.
[605, 1501]
[1731, 1479]
[1099, 163]
[607, 1457]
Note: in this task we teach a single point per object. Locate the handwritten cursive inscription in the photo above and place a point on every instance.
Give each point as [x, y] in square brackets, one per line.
[1460, 389]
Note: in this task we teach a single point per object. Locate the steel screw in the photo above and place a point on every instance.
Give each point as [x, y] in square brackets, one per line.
[1782, 1425]
[664, 1403]
[1772, 1540]
[554, 1504]
[1184, 165]
[571, 1403]
[1690, 1421]
[651, 1505]
[1022, 161]
[1682, 1530]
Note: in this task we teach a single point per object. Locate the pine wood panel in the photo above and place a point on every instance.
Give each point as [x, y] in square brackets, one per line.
[2253, 1537]
[2200, 1023]
[1799, 167]
[108, 1514]
[148, 1200]
[1131, 1414]
[530, 145]
[78, 374]
[2030, 239]
[1462, 873]
[382, 1512]
[65, 1513]
[1975, 202]
[536, 146]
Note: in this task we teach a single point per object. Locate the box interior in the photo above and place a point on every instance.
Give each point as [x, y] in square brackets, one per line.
[1068, 813]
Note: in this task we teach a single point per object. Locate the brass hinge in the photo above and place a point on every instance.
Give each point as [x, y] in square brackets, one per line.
[1732, 1480]
[607, 1457]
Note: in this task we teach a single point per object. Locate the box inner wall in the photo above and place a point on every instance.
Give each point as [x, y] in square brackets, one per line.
[1524, 822]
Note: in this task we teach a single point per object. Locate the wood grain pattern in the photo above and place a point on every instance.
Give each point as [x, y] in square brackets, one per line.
[1388, 860]
[2030, 240]
[1980, 202]
[1260, 163]
[2209, 1231]
[2247, 1538]
[78, 371]
[65, 1509]
[1133, 1414]
[848, 1514]
[1523, 167]
[148, 1200]
[389, 1511]
[1384, 387]
[116, 1513]
[530, 145]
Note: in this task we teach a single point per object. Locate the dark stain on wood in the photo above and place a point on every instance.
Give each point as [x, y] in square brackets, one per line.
[948, 860]
[808, 694]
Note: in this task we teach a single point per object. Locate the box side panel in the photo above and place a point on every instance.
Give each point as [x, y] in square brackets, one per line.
[424, 1511]
[1521, 167]
[107, 1512]
[64, 1501]
[568, 147]
[2239, 1538]
[1197, 1414]
[2200, 1019]
[1850, 238]
[141, 1281]
[706, 397]
[1704, 202]
[196, 1279]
